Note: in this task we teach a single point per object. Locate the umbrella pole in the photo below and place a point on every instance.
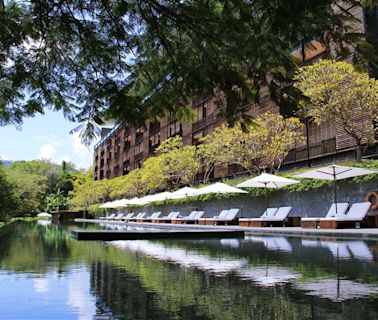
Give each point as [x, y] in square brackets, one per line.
[335, 188]
[266, 198]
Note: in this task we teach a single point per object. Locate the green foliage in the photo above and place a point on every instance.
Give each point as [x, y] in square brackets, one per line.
[340, 94]
[8, 196]
[37, 182]
[260, 146]
[85, 191]
[71, 57]
[56, 201]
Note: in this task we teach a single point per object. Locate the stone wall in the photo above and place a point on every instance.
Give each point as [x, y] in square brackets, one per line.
[313, 203]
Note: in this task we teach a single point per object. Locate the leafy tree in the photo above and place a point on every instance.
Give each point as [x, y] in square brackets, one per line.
[8, 196]
[340, 94]
[214, 149]
[265, 144]
[85, 191]
[30, 189]
[133, 60]
[56, 201]
[37, 179]
[178, 163]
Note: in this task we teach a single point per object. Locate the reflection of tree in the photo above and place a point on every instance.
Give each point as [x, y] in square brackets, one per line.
[30, 247]
[132, 285]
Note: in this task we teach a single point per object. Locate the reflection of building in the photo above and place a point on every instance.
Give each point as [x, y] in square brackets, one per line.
[125, 148]
[122, 295]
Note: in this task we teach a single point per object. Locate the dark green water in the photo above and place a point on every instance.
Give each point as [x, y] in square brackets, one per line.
[44, 274]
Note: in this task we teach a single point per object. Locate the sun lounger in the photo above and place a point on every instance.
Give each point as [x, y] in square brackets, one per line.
[138, 216]
[225, 217]
[271, 217]
[150, 218]
[356, 216]
[110, 217]
[246, 222]
[119, 216]
[128, 216]
[191, 218]
[168, 218]
[210, 221]
[313, 222]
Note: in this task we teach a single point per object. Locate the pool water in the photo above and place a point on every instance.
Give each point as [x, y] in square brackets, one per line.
[45, 274]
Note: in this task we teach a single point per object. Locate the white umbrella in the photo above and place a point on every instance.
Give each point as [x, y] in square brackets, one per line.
[123, 202]
[137, 201]
[44, 215]
[334, 173]
[156, 197]
[219, 187]
[266, 181]
[107, 205]
[184, 193]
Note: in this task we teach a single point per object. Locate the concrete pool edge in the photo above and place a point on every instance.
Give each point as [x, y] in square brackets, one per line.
[362, 233]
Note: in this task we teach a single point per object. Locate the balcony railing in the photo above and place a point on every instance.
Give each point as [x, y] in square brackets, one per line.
[154, 128]
[203, 122]
[139, 138]
[153, 148]
[312, 151]
[138, 156]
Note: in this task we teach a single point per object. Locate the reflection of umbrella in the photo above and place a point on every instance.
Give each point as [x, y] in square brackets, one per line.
[266, 181]
[334, 173]
[337, 290]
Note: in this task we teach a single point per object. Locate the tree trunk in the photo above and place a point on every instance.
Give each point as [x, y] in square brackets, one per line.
[358, 152]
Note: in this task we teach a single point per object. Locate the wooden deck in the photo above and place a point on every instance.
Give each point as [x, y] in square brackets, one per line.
[109, 235]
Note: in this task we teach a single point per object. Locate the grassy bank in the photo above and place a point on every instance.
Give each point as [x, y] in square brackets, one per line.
[11, 220]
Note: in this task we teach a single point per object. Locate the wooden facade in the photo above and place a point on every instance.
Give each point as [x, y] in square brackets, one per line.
[125, 148]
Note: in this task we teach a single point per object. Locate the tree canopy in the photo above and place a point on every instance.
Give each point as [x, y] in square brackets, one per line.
[339, 93]
[133, 60]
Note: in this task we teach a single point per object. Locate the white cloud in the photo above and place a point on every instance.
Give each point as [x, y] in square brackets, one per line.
[70, 150]
[3, 157]
[83, 155]
[47, 151]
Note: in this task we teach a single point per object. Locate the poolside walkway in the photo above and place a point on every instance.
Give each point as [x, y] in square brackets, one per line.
[363, 233]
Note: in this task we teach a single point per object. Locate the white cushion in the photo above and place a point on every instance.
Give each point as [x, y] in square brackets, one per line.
[342, 207]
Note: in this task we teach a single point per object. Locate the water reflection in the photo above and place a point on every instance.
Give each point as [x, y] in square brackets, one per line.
[49, 275]
[344, 250]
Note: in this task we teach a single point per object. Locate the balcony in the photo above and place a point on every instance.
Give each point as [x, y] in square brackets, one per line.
[153, 148]
[139, 138]
[154, 128]
[126, 146]
[138, 156]
[234, 169]
[203, 123]
[312, 151]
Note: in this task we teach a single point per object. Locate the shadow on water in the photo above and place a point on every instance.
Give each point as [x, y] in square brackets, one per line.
[270, 277]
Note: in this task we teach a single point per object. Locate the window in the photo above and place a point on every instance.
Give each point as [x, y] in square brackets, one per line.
[138, 149]
[155, 140]
[174, 128]
[203, 110]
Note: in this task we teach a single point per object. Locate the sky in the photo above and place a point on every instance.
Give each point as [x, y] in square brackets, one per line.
[45, 137]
